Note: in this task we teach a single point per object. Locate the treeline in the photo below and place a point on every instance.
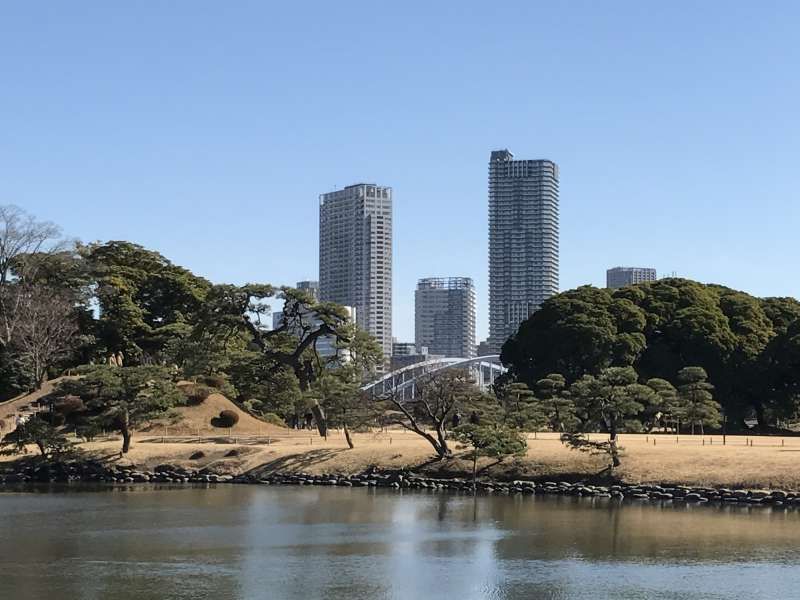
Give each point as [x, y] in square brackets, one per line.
[748, 347]
[66, 304]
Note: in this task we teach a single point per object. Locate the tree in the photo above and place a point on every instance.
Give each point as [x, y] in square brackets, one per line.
[574, 333]
[145, 301]
[123, 398]
[50, 440]
[520, 407]
[699, 406]
[46, 332]
[607, 401]
[555, 402]
[658, 328]
[667, 407]
[229, 310]
[496, 441]
[23, 240]
[338, 392]
[438, 396]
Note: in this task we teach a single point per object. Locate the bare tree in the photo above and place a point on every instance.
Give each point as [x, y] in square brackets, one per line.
[22, 240]
[435, 400]
[45, 331]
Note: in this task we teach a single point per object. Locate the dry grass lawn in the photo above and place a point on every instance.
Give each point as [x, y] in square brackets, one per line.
[770, 462]
[765, 464]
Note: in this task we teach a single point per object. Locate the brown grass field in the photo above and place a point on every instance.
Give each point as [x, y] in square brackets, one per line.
[744, 461]
[771, 462]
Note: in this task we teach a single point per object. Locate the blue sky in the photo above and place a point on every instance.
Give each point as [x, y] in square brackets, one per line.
[206, 130]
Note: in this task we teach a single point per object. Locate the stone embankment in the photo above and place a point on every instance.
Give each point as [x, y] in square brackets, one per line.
[97, 472]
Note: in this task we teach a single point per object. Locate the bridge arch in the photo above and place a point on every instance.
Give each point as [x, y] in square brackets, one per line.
[403, 380]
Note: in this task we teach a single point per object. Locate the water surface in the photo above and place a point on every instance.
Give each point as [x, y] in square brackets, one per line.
[241, 542]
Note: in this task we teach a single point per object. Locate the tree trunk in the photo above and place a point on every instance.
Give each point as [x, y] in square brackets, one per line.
[614, 451]
[126, 439]
[347, 437]
[444, 450]
[320, 419]
[474, 470]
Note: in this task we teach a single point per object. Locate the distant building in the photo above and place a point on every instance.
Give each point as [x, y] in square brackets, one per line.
[523, 241]
[444, 316]
[410, 355]
[483, 349]
[326, 345]
[355, 256]
[309, 286]
[621, 276]
[406, 349]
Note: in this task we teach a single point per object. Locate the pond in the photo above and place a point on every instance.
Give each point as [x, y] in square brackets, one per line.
[241, 542]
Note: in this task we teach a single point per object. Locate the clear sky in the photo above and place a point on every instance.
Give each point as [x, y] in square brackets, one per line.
[207, 130]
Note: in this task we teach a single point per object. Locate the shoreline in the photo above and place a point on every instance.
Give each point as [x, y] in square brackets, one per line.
[95, 472]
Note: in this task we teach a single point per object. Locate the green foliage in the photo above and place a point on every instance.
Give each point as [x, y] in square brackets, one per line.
[556, 403]
[50, 440]
[699, 407]
[660, 328]
[520, 408]
[610, 402]
[146, 302]
[496, 441]
[666, 407]
[123, 398]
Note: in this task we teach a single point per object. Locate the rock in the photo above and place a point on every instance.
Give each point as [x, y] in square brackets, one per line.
[197, 455]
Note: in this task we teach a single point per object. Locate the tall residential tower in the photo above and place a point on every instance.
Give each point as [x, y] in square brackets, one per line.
[355, 256]
[444, 316]
[523, 241]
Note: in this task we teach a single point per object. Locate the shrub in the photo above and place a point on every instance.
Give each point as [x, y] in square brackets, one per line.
[215, 381]
[196, 393]
[273, 419]
[227, 418]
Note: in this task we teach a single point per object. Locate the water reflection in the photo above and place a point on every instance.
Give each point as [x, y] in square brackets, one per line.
[265, 542]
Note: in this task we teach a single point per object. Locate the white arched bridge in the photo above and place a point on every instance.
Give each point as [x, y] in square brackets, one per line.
[485, 369]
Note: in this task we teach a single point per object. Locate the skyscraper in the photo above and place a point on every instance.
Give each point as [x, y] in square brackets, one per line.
[621, 276]
[312, 287]
[523, 241]
[355, 256]
[444, 316]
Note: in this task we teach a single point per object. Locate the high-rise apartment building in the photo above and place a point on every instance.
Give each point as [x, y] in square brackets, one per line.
[621, 276]
[523, 241]
[312, 287]
[355, 256]
[444, 316]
